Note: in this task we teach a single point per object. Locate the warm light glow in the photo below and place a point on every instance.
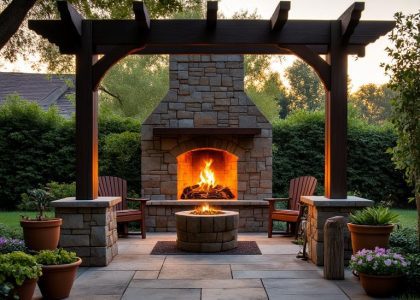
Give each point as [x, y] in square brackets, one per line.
[206, 209]
[207, 177]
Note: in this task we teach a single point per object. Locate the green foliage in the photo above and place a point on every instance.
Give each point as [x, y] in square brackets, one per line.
[61, 190]
[8, 232]
[413, 274]
[15, 267]
[378, 262]
[40, 199]
[372, 102]
[405, 240]
[404, 73]
[121, 156]
[298, 149]
[36, 147]
[377, 215]
[56, 257]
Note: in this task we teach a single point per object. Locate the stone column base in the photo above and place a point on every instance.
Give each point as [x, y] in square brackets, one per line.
[89, 228]
[319, 210]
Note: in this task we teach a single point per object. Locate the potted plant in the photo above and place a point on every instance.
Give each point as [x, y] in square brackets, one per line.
[371, 227]
[41, 232]
[59, 268]
[18, 275]
[380, 270]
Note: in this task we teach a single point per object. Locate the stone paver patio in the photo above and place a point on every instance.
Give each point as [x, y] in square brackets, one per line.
[276, 274]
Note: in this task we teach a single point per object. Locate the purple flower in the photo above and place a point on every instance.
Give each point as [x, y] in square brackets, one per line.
[360, 262]
[369, 257]
[388, 262]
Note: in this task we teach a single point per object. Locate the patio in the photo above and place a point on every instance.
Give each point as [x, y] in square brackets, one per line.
[276, 274]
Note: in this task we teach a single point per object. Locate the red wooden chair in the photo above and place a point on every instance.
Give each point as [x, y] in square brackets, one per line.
[115, 186]
[301, 186]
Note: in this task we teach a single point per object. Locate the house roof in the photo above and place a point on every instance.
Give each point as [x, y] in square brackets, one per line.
[44, 89]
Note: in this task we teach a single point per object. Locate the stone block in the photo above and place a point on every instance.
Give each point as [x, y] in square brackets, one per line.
[247, 121]
[206, 225]
[98, 236]
[229, 245]
[219, 224]
[186, 123]
[202, 119]
[210, 247]
[193, 224]
[75, 240]
[72, 221]
[230, 235]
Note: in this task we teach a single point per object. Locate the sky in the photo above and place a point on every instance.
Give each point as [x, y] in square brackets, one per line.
[361, 70]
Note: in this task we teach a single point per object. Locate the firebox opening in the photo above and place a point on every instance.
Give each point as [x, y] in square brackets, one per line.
[207, 173]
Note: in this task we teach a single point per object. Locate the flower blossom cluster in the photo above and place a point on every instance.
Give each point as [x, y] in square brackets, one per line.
[378, 262]
[8, 245]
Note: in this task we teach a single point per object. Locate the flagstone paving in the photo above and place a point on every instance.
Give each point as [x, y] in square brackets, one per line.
[276, 274]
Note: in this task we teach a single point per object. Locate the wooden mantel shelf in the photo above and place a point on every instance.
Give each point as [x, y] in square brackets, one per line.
[206, 131]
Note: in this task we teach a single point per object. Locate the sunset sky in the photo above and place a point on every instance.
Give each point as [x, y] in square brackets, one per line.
[361, 70]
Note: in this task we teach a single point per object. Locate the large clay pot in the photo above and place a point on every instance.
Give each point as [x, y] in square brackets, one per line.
[26, 290]
[57, 280]
[380, 285]
[41, 235]
[369, 236]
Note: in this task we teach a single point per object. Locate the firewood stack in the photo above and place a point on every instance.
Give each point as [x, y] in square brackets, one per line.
[217, 192]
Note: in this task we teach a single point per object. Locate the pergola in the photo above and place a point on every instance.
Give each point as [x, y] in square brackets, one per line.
[99, 44]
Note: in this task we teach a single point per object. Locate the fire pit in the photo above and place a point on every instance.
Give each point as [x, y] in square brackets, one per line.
[207, 229]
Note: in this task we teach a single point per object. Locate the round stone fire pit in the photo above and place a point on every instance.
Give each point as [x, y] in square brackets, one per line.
[207, 233]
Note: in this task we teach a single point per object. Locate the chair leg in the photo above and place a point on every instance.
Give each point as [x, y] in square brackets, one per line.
[125, 230]
[270, 227]
[143, 229]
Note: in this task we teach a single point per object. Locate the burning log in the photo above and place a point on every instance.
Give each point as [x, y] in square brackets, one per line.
[217, 192]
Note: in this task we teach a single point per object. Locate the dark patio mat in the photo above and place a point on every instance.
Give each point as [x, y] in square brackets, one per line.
[169, 248]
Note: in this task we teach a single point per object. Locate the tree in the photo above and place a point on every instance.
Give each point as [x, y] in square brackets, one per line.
[16, 39]
[404, 74]
[373, 102]
[306, 90]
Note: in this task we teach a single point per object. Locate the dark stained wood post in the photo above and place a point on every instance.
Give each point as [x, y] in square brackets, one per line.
[334, 248]
[336, 118]
[86, 119]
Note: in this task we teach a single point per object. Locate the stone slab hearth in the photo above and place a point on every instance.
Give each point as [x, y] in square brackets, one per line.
[253, 214]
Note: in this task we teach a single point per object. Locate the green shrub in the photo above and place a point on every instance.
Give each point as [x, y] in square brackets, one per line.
[413, 274]
[298, 149]
[405, 240]
[7, 232]
[121, 156]
[56, 257]
[378, 215]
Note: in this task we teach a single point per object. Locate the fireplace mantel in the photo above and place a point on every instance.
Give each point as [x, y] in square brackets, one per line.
[206, 131]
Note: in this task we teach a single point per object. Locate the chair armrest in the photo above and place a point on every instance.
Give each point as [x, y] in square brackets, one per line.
[142, 201]
[272, 202]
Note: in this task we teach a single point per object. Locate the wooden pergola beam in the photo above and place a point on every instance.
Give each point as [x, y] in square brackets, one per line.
[350, 19]
[141, 15]
[212, 7]
[71, 17]
[280, 16]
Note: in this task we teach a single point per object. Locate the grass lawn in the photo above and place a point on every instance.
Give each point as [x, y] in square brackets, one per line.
[12, 218]
[408, 217]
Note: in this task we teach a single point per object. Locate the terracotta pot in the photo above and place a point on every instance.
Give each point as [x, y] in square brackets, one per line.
[41, 235]
[380, 285]
[369, 236]
[57, 280]
[26, 290]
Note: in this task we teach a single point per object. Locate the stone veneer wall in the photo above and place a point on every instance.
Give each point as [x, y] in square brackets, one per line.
[206, 91]
[319, 210]
[90, 231]
[253, 215]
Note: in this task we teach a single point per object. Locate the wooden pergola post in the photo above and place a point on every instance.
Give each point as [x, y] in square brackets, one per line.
[86, 119]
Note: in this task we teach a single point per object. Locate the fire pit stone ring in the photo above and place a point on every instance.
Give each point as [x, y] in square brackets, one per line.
[207, 233]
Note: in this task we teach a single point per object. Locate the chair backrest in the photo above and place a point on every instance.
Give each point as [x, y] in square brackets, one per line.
[301, 186]
[113, 186]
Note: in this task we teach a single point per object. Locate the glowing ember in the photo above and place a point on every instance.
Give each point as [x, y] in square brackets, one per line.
[206, 209]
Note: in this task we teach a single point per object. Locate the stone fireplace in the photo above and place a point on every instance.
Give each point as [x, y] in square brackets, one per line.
[206, 140]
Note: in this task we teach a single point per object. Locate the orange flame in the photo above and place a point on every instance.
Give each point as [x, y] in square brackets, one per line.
[207, 177]
[206, 209]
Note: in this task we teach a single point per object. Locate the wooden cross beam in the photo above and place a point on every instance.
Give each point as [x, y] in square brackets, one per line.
[71, 17]
[280, 15]
[211, 14]
[350, 19]
[141, 15]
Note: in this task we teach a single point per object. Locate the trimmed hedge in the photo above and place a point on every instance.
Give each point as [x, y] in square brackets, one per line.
[299, 150]
[38, 147]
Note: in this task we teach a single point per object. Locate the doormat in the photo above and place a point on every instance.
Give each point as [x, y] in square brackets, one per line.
[169, 248]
